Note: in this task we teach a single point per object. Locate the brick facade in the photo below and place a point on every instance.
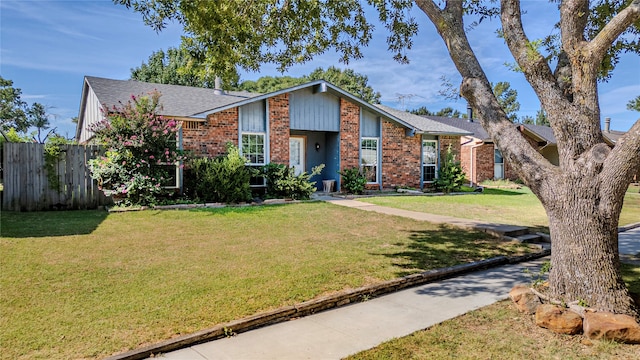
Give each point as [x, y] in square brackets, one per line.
[279, 128]
[210, 138]
[401, 164]
[445, 141]
[477, 160]
[349, 135]
[401, 154]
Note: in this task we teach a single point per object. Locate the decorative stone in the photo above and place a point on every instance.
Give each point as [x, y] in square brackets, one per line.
[525, 300]
[614, 327]
[558, 319]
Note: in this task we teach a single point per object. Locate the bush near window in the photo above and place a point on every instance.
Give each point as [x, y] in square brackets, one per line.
[142, 151]
[353, 181]
[283, 183]
[223, 179]
[450, 176]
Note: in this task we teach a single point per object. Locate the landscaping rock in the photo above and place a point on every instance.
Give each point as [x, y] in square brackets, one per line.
[614, 327]
[558, 319]
[525, 300]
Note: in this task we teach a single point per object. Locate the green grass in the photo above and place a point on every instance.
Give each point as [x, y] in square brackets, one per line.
[87, 284]
[499, 331]
[506, 206]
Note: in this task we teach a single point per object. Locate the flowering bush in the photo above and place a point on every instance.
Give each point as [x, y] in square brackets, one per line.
[142, 151]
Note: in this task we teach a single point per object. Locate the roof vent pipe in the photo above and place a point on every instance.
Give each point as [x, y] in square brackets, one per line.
[607, 124]
[469, 113]
[217, 89]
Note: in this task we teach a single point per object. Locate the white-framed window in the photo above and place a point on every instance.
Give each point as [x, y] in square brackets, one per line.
[369, 158]
[254, 150]
[429, 160]
[498, 164]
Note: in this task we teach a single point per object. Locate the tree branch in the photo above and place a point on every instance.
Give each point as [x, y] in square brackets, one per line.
[534, 66]
[599, 46]
[530, 165]
[573, 20]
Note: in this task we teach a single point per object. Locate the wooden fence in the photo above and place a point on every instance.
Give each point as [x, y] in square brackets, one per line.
[26, 183]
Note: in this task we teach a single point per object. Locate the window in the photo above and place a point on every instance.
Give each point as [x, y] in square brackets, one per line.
[498, 161]
[253, 149]
[429, 160]
[369, 159]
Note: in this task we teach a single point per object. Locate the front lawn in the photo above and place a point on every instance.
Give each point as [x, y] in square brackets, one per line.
[87, 284]
[506, 206]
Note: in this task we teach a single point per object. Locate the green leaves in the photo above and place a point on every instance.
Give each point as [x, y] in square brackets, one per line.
[225, 35]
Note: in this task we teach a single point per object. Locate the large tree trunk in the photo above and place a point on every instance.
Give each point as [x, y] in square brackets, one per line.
[585, 263]
[583, 195]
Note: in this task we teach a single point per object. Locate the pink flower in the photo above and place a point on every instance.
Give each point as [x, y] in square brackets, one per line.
[151, 157]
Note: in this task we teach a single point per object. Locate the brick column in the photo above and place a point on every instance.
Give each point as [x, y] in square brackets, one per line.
[400, 156]
[279, 129]
[349, 134]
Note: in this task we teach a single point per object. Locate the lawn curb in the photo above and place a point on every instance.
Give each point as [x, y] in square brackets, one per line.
[320, 304]
[628, 227]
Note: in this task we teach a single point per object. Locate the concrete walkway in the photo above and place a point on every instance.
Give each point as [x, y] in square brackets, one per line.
[347, 330]
[343, 331]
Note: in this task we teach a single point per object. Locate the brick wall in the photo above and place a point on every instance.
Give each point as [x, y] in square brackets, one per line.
[445, 141]
[279, 128]
[349, 134]
[484, 163]
[400, 157]
[210, 138]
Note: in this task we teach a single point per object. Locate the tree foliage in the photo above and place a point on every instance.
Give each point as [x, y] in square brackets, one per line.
[508, 99]
[141, 154]
[16, 114]
[223, 35]
[634, 104]
[175, 66]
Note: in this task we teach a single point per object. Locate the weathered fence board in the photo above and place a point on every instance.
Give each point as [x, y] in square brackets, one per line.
[27, 187]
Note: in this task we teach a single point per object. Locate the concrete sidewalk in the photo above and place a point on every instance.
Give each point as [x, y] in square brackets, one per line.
[340, 332]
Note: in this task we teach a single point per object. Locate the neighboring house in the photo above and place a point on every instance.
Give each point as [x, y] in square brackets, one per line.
[303, 126]
[481, 160]
[479, 157]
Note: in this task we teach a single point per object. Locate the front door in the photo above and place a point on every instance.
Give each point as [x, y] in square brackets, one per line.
[296, 154]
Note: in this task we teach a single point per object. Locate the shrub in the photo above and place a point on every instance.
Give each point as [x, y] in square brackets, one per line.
[450, 176]
[283, 183]
[142, 151]
[223, 179]
[353, 180]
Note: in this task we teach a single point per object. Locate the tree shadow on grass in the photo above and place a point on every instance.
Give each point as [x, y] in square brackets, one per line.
[50, 223]
[493, 191]
[444, 247]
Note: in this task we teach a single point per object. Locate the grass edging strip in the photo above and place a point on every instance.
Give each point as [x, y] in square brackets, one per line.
[320, 304]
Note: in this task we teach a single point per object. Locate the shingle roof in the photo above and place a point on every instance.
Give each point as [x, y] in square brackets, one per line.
[544, 132]
[471, 126]
[424, 124]
[613, 135]
[176, 100]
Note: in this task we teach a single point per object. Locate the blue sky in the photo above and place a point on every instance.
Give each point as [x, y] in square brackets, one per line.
[47, 47]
